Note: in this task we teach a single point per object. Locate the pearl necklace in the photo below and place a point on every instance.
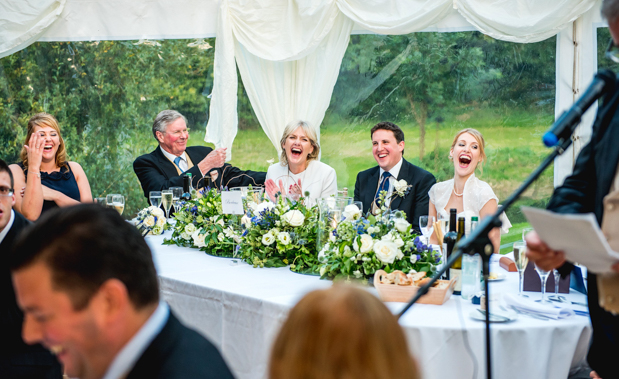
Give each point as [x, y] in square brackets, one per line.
[456, 193]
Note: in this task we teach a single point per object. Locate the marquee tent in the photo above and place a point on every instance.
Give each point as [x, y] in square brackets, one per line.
[281, 46]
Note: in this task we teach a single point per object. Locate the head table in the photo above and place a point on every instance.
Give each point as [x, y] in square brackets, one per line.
[240, 309]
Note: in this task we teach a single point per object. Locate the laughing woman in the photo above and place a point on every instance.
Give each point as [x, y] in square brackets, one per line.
[298, 171]
[469, 195]
[48, 178]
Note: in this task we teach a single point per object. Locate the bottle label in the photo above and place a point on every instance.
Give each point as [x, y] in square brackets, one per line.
[456, 273]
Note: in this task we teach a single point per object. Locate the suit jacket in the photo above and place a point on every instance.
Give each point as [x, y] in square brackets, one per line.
[18, 359]
[584, 192]
[414, 204]
[157, 173]
[178, 352]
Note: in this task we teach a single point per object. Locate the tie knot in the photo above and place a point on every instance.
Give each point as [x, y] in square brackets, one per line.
[177, 160]
[386, 174]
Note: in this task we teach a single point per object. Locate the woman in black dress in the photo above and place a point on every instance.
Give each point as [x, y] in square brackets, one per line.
[45, 176]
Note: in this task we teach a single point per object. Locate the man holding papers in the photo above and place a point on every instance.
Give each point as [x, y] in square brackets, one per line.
[594, 187]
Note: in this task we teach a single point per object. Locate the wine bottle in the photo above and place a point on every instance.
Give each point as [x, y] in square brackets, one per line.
[186, 196]
[455, 271]
[450, 238]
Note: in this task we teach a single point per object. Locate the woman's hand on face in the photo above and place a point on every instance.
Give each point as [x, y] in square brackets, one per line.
[35, 147]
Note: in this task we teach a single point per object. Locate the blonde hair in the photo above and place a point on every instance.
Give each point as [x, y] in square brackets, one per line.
[309, 132]
[342, 332]
[44, 119]
[480, 141]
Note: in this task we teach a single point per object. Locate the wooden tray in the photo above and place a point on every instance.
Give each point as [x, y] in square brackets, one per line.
[403, 294]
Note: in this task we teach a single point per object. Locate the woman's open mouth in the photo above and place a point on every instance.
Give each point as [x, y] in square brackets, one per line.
[464, 161]
[48, 147]
[296, 152]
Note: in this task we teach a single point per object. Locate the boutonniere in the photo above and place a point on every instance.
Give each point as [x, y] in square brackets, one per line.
[401, 188]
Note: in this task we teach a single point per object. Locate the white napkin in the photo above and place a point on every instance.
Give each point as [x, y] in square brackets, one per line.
[527, 305]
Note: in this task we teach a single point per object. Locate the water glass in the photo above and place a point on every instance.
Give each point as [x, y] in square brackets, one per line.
[155, 198]
[426, 224]
[521, 260]
[543, 276]
[177, 192]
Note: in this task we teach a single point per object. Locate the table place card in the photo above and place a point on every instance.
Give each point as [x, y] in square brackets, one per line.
[232, 203]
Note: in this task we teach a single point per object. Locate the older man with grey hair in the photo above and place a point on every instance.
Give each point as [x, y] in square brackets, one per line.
[164, 167]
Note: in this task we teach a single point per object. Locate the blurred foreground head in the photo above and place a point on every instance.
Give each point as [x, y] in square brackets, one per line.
[342, 332]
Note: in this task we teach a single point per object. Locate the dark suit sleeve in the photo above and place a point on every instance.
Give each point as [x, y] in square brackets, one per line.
[152, 178]
[358, 189]
[235, 177]
[421, 201]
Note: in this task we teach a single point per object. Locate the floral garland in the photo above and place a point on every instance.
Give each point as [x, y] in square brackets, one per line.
[201, 224]
[282, 234]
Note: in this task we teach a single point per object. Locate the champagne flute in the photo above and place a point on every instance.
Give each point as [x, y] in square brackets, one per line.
[444, 223]
[520, 257]
[118, 202]
[177, 192]
[556, 297]
[426, 224]
[166, 200]
[543, 276]
[155, 198]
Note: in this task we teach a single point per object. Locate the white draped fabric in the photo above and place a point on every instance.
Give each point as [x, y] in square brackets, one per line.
[288, 77]
[22, 22]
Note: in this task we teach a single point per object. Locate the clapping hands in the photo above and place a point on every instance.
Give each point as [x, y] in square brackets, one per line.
[276, 190]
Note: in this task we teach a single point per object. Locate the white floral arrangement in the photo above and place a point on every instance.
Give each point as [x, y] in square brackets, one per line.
[152, 221]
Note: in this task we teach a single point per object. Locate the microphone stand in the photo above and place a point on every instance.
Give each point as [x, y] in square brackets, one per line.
[478, 241]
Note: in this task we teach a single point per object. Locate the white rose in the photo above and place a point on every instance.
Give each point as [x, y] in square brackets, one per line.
[190, 229]
[414, 258]
[398, 242]
[220, 222]
[161, 221]
[294, 218]
[220, 237]
[366, 242]
[400, 186]
[401, 225]
[157, 212]
[372, 229]
[386, 251]
[268, 239]
[198, 239]
[267, 205]
[185, 236]
[156, 230]
[149, 221]
[284, 238]
[351, 212]
[387, 237]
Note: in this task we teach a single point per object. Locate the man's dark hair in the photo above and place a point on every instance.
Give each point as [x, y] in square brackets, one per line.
[5, 168]
[386, 125]
[85, 245]
[610, 10]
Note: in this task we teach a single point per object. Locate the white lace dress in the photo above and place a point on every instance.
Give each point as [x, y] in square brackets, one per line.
[475, 195]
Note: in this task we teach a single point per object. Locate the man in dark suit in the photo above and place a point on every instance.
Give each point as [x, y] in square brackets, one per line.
[388, 150]
[163, 167]
[594, 187]
[86, 282]
[17, 359]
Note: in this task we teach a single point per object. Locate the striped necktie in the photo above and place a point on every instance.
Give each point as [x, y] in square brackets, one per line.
[384, 185]
[177, 162]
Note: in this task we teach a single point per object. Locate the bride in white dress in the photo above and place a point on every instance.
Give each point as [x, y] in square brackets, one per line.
[469, 195]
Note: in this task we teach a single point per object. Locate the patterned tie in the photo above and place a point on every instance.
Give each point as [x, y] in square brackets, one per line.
[177, 162]
[384, 185]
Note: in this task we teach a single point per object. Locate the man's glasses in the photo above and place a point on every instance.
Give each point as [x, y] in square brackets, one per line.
[612, 51]
[6, 191]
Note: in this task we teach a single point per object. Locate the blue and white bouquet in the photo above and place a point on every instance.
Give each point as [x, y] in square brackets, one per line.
[152, 221]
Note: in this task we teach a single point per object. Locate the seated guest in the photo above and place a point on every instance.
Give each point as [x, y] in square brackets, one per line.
[388, 150]
[298, 170]
[469, 195]
[341, 332]
[86, 282]
[18, 360]
[44, 177]
[162, 168]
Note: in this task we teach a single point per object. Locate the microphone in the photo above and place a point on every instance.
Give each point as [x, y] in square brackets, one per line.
[603, 82]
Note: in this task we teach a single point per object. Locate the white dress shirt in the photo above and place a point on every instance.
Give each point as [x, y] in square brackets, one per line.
[8, 226]
[395, 171]
[184, 166]
[133, 350]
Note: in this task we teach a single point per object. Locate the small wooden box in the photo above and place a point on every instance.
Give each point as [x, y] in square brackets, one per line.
[403, 294]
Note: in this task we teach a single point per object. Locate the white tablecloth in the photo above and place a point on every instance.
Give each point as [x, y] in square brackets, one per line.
[240, 309]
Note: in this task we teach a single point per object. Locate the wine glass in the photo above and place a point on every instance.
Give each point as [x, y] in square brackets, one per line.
[525, 231]
[177, 192]
[237, 228]
[543, 276]
[556, 297]
[109, 200]
[155, 198]
[166, 200]
[521, 259]
[426, 224]
[444, 222]
[102, 201]
[118, 202]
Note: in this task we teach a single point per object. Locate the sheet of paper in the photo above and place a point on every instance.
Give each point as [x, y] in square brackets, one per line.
[578, 235]
[232, 203]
